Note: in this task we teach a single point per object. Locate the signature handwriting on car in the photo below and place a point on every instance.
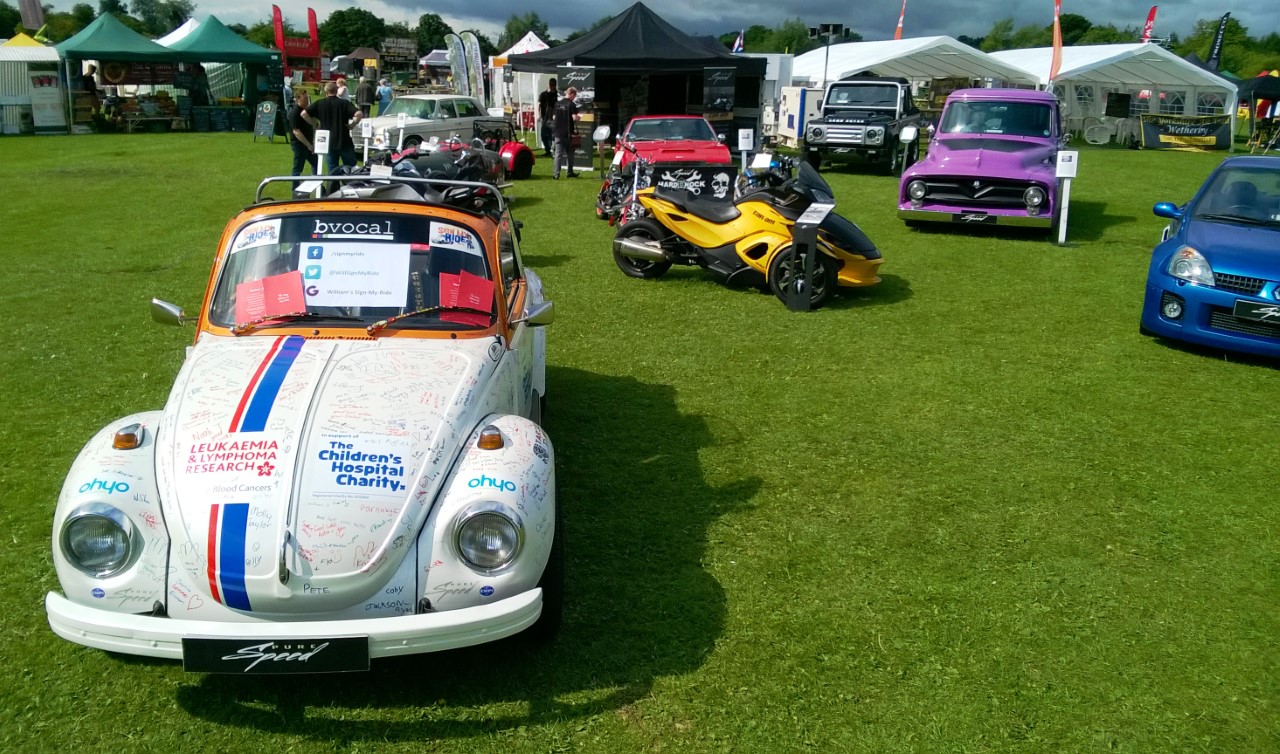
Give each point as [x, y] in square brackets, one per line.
[1268, 312]
[258, 653]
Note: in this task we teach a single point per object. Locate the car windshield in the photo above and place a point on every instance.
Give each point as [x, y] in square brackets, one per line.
[998, 118]
[354, 269]
[863, 95]
[671, 129]
[411, 107]
[1239, 193]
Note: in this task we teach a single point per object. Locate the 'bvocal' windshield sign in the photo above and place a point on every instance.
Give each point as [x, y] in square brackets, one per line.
[355, 274]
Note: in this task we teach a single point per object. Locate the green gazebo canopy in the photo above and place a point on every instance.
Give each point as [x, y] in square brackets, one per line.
[213, 42]
[108, 39]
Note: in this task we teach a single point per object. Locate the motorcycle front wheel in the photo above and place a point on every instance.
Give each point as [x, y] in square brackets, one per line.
[641, 230]
[783, 273]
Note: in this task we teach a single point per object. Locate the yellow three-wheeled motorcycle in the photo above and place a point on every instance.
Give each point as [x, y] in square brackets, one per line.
[747, 241]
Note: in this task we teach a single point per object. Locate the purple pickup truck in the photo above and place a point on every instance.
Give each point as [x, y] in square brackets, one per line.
[992, 161]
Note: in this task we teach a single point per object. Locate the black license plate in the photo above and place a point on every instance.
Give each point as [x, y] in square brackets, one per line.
[1257, 311]
[973, 218]
[342, 654]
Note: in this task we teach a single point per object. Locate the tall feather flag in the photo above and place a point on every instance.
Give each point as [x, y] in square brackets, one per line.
[1215, 52]
[475, 68]
[1056, 64]
[897, 33]
[1150, 25]
[458, 65]
[740, 43]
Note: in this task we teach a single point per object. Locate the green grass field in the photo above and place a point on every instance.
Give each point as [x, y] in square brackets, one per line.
[968, 510]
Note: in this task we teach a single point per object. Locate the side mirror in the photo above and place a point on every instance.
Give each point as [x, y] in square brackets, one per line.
[909, 134]
[720, 138]
[1167, 210]
[167, 314]
[601, 134]
[540, 315]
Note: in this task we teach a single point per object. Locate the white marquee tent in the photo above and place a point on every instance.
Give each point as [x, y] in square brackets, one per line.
[1157, 80]
[179, 33]
[918, 59]
[521, 95]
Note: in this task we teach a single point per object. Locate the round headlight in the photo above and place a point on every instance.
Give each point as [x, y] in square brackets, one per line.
[1172, 309]
[916, 190]
[1033, 196]
[815, 133]
[98, 540]
[489, 539]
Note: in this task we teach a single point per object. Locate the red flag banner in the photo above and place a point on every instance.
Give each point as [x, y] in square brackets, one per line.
[1150, 25]
[897, 34]
[1056, 63]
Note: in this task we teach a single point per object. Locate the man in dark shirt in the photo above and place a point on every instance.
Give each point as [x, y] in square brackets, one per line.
[364, 96]
[546, 105]
[565, 114]
[303, 142]
[89, 84]
[336, 116]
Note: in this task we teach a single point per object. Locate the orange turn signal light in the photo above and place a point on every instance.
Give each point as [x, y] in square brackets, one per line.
[128, 438]
[490, 438]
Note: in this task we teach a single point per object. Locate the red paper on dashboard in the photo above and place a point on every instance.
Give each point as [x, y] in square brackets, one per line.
[470, 291]
[272, 296]
[449, 284]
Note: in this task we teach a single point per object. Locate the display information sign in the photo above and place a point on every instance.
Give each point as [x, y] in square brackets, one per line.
[355, 273]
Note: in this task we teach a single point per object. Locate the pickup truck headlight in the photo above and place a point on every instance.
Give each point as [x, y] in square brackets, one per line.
[916, 190]
[1190, 265]
[99, 540]
[1034, 197]
[489, 537]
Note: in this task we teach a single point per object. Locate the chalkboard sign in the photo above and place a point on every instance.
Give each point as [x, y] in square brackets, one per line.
[264, 124]
[239, 117]
[218, 120]
[200, 120]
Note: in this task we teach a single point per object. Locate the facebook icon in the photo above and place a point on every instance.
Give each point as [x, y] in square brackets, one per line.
[315, 252]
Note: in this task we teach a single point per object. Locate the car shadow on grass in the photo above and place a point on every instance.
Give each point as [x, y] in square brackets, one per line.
[1214, 352]
[639, 604]
[1089, 221]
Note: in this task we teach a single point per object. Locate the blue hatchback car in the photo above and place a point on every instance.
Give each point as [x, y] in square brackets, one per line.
[1215, 278]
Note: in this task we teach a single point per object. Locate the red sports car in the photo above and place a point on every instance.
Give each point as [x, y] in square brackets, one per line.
[671, 138]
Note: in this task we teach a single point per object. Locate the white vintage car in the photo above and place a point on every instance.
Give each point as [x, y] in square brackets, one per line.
[350, 463]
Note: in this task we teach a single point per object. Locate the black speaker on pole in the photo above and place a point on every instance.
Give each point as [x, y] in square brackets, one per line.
[1118, 105]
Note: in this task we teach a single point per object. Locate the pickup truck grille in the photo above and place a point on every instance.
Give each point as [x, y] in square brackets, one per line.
[978, 192]
[845, 134]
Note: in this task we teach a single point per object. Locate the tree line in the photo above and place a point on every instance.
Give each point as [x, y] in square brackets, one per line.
[344, 30]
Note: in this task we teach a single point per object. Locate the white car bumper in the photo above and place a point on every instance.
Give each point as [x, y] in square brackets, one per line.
[388, 637]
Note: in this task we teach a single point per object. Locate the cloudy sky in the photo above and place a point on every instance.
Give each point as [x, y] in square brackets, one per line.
[873, 20]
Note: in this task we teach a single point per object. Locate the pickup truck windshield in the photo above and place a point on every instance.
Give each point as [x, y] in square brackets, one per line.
[1007, 118]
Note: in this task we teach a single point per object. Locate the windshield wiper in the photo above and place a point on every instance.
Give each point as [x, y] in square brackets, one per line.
[378, 327]
[281, 319]
[1236, 219]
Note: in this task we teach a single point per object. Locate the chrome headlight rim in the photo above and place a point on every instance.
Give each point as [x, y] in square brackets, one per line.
[875, 135]
[815, 132]
[1190, 265]
[488, 508]
[117, 517]
[1034, 197]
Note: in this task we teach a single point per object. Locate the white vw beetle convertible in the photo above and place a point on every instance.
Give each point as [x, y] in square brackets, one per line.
[350, 463]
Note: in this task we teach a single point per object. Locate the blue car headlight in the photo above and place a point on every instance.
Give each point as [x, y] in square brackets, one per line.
[1190, 265]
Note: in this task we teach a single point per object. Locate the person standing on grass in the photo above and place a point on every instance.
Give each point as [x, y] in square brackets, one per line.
[304, 132]
[364, 96]
[546, 106]
[336, 116]
[564, 116]
[385, 93]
